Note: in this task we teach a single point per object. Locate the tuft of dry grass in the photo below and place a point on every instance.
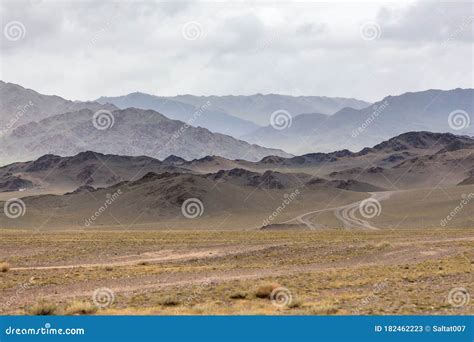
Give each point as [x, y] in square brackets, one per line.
[238, 295]
[81, 308]
[383, 244]
[265, 290]
[295, 303]
[4, 267]
[43, 308]
[169, 301]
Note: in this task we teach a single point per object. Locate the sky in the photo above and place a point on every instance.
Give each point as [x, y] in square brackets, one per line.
[82, 50]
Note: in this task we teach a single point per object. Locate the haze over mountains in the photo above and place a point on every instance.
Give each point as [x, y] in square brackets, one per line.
[134, 132]
[355, 129]
[19, 105]
[203, 115]
[54, 173]
[259, 107]
[447, 158]
[255, 109]
[413, 160]
[36, 124]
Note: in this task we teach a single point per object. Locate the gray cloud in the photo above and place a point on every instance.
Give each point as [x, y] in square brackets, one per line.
[429, 21]
[85, 49]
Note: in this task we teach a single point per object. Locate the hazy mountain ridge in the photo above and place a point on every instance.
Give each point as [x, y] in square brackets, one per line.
[204, 115]
[133, 132]
[354, 129]
[157, 189]
[411, 154]
[19, 105]
[422, 158]
[84, 169]
[259, 107]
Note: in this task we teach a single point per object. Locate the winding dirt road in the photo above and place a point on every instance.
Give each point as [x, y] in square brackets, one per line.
[347, 213]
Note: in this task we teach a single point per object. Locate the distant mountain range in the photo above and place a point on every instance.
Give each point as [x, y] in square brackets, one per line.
[404, 161]
[188, 126]
[233, 115]
[157, 189]
[54, 173]
[431, 110]
[203, 115]
[19, 105]
[132, 131]
[259, 107]
[412, 159]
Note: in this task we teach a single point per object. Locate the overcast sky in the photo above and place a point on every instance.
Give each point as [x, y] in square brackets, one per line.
[86, 49]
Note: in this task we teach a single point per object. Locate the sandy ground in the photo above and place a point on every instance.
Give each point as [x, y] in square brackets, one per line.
[174, 262]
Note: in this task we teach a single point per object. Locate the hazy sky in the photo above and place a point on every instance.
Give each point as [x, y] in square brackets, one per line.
[86, 49]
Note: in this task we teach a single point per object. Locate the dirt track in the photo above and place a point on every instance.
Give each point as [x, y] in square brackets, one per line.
[399, 253]
[346, 214]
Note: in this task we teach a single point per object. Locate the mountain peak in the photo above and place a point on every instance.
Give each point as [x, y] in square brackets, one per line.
[174, 160]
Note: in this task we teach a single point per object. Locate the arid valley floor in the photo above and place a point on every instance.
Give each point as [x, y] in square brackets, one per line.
[375, 232]
[328, 272]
